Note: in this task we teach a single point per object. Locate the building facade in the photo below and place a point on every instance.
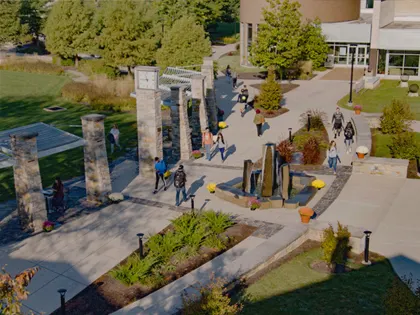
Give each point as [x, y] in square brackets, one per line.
[384, 35]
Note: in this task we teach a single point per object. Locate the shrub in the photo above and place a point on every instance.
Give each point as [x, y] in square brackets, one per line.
[230, 39]
[302, 137]
[164, 246]
[396, 118]
[400, 299]
[271, 95]
[67, 62]
[76, 91]
[335, 246]
[311, 151]
[405, 146]
[318, 117]
[98, 66]
[13, 290]
[286, 149]
[212, 299]
[135, 269]
[215, 242]
[217, 221]
[413, 88]
[15, 64]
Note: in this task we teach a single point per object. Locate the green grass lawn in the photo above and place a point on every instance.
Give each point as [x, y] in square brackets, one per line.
[22, 99]
[234, 62]
[381, 142]
[373, 101]
[295, 288]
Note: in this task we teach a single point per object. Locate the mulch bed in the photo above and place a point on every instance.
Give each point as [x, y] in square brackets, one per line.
[412, 170]
[273, 113]
[107, 295]
[285, 87]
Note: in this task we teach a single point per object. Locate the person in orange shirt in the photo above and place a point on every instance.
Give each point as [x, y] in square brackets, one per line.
[208, 143]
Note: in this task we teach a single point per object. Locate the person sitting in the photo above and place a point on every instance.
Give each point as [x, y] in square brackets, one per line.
[243, 97]
[58, 196]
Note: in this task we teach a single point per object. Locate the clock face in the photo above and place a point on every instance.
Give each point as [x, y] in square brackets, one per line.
[147, 80]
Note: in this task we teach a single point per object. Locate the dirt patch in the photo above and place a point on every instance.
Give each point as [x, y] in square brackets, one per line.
[273, 113]
[285, 87]
[107, 295]
[343, 74]
[412, 170]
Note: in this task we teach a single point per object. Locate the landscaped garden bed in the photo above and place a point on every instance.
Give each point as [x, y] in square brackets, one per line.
[189, 242]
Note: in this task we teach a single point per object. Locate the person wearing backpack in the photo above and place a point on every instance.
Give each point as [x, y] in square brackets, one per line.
[160, 168]
[180, 179]
[259, 120]
[348, 136]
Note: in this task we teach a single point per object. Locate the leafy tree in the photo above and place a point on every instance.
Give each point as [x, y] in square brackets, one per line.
[280, 36]
[270, 95]
[13, 290]
[11, 28]
[181, 47]
[69, 28]
[405, 146]
[126, 33]
[396, 118]
[314, 45]
[34, 13]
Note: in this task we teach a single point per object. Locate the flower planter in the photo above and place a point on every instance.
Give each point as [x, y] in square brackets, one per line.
[212, 192]
[306, 214]
[252, 209]
[360, 155]
[357, 111]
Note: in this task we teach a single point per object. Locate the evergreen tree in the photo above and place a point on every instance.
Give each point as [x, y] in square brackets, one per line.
[185, 44]
[126, 35]
[314, 44]
[271, 95]
[68, 28]
[11, 28]
[279, 37]
[34, 13]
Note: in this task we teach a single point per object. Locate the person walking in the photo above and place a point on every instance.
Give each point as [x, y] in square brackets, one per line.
[228, 73]
[348, 136]
[259, 120]
[234, 80]
[338, 122]
[333, 157]
[160, 168]
[222, 145]
[115, 132]
[180, 179]
[58, 197]
[208, 143]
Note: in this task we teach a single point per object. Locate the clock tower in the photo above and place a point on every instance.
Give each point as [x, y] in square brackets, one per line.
[149, 118]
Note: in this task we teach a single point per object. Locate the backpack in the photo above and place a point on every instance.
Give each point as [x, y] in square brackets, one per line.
[348, 133]
[180, 179]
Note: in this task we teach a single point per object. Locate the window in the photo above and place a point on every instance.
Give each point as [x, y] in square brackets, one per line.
[369, 4]
[403, 62]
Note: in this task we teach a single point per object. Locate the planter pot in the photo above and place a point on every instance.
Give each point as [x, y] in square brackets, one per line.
[252, 209]
[357, 111]
[360, 155]
[47, 230]
[212, 192]
[305, 218]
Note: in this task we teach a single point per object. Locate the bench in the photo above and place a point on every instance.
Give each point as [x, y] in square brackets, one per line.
[301, 199]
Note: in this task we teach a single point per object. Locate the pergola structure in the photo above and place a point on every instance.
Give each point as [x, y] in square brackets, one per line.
[22, 147]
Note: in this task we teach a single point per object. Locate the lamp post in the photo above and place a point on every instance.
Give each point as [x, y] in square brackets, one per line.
[366, 256]
[352, 50]
[140, 236]
[192, 201]
[62, 301]
[290, 135]
[309, 121]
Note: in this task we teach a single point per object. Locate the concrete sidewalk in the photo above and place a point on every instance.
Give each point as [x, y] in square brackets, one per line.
[389, 208]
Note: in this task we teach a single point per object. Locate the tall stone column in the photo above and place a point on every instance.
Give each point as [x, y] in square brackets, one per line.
[98, 179]
[149, 118]
[207, 72]
[30, 200]
[198, 94]
[184, 126]
[176, 140]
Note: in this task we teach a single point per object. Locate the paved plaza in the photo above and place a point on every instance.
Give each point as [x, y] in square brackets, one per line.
[77, 253]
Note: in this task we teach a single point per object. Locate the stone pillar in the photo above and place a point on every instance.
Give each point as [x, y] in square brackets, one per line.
[268, 170]
[149, 129]
[242, 44]
[98, 179]
[207, 72]
[30, 200]
[285, 173]
[184, 125]
[246, 183]
[373, 62]
[176, 140]
[198, 95]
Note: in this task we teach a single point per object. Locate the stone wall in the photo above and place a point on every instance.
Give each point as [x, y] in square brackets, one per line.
[381, 166]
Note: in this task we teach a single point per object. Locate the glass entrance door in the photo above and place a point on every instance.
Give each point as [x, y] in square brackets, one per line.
[361, 55]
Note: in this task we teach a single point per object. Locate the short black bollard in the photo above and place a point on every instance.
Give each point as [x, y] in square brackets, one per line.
[192, 201]
[290, 135]
[140, 236]
[62, 301]
[309, 122]
[366, 258]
